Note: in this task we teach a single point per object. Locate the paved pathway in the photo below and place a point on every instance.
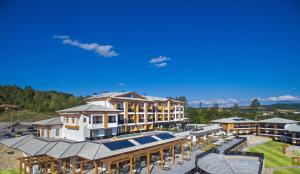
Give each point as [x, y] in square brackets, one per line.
[271, 170]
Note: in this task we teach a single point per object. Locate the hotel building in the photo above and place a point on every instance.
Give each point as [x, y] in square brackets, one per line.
[115, 113]
[236, 125]
[275, 128]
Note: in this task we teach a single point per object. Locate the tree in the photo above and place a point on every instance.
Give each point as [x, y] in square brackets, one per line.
[235, 109]
[254, 106]
[181, 98]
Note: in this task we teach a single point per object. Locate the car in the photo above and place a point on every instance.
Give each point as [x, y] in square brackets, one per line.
[7, 135]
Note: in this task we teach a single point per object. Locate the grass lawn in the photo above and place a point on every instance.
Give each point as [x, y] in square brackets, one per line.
[287, 171]
[273, 154]
[9, 171]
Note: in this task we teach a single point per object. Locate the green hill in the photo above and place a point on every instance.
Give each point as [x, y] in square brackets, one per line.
[34, 104]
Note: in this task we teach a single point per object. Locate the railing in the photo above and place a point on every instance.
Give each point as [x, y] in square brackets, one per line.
[121, 121]
[150, 120]
[130, 121]
[243, 140]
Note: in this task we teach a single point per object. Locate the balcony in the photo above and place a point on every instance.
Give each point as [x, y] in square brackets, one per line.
[141, 110]
[150, 119]
[130, 110]
[150, 110]
[121, 121]
[72, 127]
[131, 121]
[141, 120]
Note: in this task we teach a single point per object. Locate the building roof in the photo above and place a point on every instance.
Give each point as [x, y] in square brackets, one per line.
[50, 121]
[89, 108]
[233, 120]
[278, 120]
[120, 95]
[229, 164]
[206, 129]
[58, 148]
[5, 125]
[293, 128]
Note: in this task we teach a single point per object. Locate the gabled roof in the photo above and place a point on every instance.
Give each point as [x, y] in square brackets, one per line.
[114, 94]
[233, 120]
[122, 95]
[50, 121]
[59, 148]
[89, 108]
[293, 128]
[278, 120]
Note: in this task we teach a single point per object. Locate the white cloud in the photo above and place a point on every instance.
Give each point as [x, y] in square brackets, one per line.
[103, 50]
[161, 65]
[221, 102]
[122, 84]
[159, 59]
[159, 62]
[283, 98]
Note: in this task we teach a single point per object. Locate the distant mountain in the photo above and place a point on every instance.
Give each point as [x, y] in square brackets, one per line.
[286, 106]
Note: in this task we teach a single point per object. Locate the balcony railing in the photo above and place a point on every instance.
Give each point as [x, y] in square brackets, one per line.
[121, 121]
[150, 110]
[150, 119]
[130, 121]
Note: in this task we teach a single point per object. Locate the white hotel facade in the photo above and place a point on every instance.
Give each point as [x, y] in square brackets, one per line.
[113, 113]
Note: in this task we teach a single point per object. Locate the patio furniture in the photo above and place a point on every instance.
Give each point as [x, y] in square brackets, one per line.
[166, 167]
[180, 162]
[157, 162]
[169, 158]
[187, 159]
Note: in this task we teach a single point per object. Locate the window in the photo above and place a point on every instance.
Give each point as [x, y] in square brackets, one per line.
[84, 120]
[73, 120]
[67, 120]
[119, 106]
[112, 119]
[57, 132]
[97, 119]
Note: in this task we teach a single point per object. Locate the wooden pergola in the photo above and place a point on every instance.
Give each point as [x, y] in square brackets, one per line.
[47, 164]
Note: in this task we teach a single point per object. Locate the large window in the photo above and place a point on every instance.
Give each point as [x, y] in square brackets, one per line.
[97, 119]
[57, 132]
[112, 119]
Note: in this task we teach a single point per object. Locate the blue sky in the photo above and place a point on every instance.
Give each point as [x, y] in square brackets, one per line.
[215, 51]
